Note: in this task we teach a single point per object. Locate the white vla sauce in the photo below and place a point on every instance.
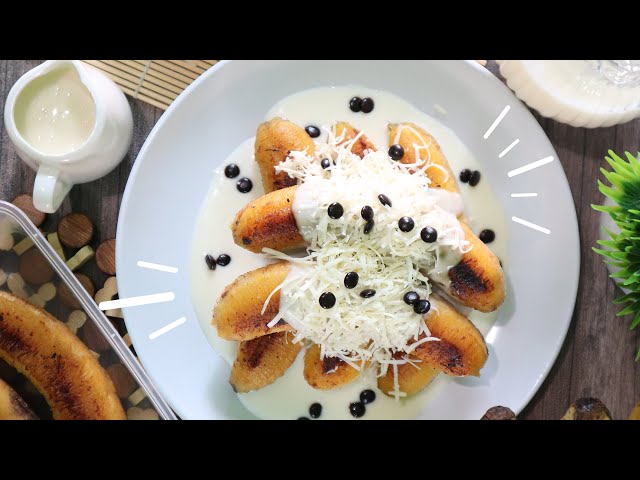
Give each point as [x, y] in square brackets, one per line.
[55, 113]
[290, 396]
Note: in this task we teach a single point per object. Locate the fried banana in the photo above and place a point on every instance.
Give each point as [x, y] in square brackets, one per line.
[275, 140]
[327, 373]
[421, 148]
[348, 132]
[262, 361]
[411, 378]
[461, 350]
[424, 150]
[56, 362]
[237, 315]
[12, 406]
[477, 281]
[268, 221]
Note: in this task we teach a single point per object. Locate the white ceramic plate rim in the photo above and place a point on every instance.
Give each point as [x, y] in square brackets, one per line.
[128, 286]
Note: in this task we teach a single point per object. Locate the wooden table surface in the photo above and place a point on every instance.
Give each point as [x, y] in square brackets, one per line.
[597, 358]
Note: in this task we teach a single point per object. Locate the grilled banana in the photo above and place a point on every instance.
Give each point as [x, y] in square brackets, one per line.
[275, 139]
[12, 406]
[477, 281]
[461, 350]
[420, 147]
[268, 221]
[348, 132]
[327, 373]
[59, 365]
[237, 315]
[262, 361]
[411, 378]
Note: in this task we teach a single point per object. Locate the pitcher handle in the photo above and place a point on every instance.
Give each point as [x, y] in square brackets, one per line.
[49, 189]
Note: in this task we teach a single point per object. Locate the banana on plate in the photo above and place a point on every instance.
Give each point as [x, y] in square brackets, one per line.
[477, 281]
[262, 361]
[460, 351]
[327, 373]
[275, 140]
[348, 133]
[422, 149]
[238, 314]
[413, 377]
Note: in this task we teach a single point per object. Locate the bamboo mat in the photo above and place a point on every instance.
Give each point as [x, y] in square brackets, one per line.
[157, 82]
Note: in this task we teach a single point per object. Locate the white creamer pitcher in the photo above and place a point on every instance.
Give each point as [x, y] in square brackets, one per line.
[70, 123]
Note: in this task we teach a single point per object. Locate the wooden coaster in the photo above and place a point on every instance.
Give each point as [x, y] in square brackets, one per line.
[34, 268]
[25, 203]
[68, 298]
[93, 337]
[106, 256]
[123, 380]
[75, 230]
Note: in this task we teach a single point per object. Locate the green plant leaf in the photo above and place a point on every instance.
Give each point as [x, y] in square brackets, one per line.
[622, 249]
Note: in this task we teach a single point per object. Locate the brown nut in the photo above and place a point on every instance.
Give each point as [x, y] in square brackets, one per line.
[499, 413]
[122, 379]
[93, 338]
[106, 256]
[68, 298]
[34, 268]
[75, 230]
[25, 203]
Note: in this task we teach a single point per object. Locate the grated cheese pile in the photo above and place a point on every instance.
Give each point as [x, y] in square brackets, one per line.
[381, 329]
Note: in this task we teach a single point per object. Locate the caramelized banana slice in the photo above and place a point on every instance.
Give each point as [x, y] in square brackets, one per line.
[262, 361]
[477, 281]
[411, 378]
[420, 147]
[12, 406]
[58, 364]
[349, 132]
[275, 139]
[461, 350]
[327, 373]
[237, 315]
[268, 221]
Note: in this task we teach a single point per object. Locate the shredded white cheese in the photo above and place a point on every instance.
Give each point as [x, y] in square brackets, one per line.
[387, 260]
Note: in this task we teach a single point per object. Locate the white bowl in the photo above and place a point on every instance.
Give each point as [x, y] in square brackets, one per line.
[571, 92]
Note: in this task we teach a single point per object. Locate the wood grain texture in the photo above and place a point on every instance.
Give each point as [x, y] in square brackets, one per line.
[596, 360]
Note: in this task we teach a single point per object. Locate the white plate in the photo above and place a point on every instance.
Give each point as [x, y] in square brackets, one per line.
[222, 108]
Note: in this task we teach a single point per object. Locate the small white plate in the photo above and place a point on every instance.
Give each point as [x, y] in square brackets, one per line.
[222, 108]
